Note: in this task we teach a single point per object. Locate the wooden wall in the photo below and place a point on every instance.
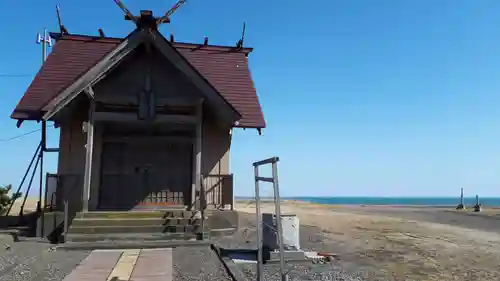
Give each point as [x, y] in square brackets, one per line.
[71, 161]
[124, 82]
[127, 80]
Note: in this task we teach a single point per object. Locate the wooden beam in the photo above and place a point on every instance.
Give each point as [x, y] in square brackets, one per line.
[160, 101]
[148, 139]
[132, 117]
[88, 159]
[94, 74]
[90, 92]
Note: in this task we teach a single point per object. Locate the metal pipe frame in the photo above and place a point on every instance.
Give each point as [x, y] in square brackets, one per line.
[21, 211]
[277, 204]
[24, 177]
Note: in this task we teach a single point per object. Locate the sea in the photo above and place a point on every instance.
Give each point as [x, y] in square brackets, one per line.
[394, 201]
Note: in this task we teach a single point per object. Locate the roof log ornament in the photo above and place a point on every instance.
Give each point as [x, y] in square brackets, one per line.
[146, 20]
[62, 28]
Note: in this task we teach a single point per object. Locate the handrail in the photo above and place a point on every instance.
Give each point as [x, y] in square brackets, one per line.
[24, 178]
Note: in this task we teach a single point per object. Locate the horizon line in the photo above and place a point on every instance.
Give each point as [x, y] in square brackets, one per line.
[397, 197]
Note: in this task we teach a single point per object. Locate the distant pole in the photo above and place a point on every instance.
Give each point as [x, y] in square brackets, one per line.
[477, 207]
[462, 196]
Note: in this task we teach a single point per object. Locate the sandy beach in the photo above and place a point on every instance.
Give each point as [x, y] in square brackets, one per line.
[397, 243]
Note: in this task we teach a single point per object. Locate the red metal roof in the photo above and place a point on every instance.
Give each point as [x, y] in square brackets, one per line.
[73, 55]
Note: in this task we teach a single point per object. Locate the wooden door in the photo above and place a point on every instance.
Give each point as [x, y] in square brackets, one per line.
[167, 175]
[119, 184]
[145, 174]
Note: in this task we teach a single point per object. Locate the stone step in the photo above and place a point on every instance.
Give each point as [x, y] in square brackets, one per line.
[114, 237]
[134, 221]
[134, 229]
[171, 213]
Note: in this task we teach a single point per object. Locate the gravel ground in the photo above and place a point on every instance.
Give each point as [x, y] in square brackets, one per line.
[311, 239]
[327, 272]
[394, 243]
[198, 263]
[35, 261]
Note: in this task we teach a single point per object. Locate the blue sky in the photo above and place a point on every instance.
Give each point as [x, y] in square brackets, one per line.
[362, 98]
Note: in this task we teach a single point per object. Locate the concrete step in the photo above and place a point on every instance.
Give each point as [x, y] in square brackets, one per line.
[133, 229]
[138, 214]
[182, 221]
[74, 237]
[132, 244]
[134, 221]
[160, 208]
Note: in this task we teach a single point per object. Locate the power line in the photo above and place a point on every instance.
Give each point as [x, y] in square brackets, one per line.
[8, 75]
[19, 136]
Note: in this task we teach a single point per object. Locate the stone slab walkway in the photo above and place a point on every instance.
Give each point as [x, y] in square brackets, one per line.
[125, 265]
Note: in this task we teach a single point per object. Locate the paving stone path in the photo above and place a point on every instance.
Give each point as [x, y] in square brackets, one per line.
[35, 261]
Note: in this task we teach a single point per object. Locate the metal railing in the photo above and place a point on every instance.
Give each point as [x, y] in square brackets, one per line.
[219, 190]
[277, 202]
[50, 194]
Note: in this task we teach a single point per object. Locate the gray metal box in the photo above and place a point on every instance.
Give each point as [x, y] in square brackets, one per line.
[291, 237]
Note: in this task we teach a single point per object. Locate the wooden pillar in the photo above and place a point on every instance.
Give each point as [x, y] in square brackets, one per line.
[96, 166]
[197, 150]
[89, 128]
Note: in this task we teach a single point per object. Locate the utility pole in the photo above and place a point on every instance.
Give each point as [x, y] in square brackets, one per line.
[44, 41]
